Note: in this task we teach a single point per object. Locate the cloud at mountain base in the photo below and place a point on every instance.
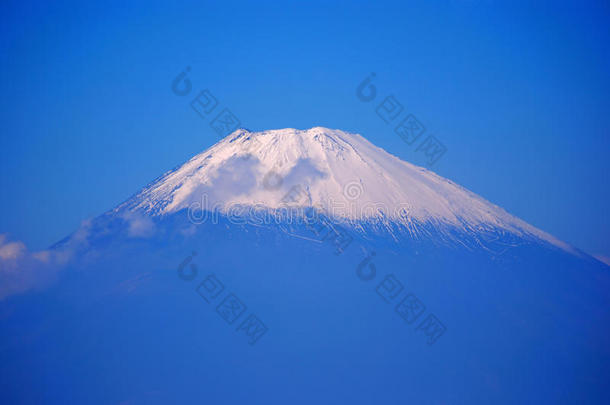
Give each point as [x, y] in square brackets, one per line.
[21, 270]
[11, 250]
[138, 226]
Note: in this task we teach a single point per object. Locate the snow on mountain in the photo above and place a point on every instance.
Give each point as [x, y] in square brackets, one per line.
[341, 174]
[140, 305]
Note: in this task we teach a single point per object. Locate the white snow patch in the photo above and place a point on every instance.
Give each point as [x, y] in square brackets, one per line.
[343, 174]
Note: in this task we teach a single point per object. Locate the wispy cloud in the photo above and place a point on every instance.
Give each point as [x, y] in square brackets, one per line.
[22, 270]
[139, 226]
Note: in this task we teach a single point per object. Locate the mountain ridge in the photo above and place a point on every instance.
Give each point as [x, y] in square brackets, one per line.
[137, 300]
[342, 174]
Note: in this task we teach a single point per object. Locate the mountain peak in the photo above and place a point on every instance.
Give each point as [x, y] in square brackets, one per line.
[341, 174]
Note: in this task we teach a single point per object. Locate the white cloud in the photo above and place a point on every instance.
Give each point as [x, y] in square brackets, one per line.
[22, 270]
[12, 250]
[139, 226]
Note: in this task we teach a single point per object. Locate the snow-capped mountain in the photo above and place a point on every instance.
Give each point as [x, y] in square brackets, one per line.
[342, 175]
[404, 288]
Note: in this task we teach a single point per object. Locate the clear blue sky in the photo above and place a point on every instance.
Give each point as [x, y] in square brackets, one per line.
[518, 93]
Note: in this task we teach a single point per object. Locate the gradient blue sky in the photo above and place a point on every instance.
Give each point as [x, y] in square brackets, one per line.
[519, 94]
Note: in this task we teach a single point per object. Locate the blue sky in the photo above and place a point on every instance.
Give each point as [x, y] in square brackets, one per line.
[518, 93]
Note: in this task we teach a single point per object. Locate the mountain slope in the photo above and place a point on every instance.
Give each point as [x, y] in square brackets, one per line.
[341, 174]
[156, 305]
